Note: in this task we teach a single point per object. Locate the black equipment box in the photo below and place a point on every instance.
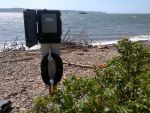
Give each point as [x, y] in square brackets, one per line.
[49, 26]
[43, 26]
[30, 25]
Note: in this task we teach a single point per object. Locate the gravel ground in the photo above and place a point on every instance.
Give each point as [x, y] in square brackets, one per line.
[20, 79]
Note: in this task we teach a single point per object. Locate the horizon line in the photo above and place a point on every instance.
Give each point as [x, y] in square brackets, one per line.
[79, 10]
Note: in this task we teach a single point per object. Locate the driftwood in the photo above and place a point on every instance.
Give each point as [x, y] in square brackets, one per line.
[17, 60]
[78, 65]
[16, 93]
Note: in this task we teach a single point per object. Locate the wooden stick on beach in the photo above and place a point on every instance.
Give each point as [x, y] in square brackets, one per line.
[52, 90]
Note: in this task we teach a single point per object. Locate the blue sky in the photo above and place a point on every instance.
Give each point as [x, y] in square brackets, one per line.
[109, 6]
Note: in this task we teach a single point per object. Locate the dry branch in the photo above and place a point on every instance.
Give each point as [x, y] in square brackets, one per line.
[78, 41]
[16, 93]
[17, 60]
[78, 65]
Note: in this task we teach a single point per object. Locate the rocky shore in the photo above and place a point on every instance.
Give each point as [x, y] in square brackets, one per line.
[20, 79]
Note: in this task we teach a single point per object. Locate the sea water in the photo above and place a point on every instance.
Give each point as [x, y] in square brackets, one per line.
[100, 28]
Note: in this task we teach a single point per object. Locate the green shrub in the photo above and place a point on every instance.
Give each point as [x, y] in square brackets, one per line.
[122, 87]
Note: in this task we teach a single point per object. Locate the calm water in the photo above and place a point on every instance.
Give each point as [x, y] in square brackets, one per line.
[99, 27]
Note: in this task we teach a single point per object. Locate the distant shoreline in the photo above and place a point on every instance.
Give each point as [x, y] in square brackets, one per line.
[63, 11]
[12, 9]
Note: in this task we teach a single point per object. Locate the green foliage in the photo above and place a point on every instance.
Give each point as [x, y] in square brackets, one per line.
[122, 87]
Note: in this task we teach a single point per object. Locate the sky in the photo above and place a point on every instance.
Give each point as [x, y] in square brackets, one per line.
[108, 6]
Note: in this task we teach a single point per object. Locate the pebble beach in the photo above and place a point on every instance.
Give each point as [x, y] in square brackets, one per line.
[20, 76]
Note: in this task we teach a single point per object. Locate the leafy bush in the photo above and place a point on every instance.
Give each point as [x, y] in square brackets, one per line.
[122, 87]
